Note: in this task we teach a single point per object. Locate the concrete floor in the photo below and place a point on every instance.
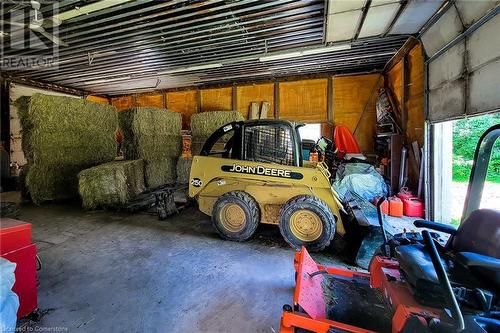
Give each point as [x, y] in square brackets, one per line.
[115, 272]
[110, 272]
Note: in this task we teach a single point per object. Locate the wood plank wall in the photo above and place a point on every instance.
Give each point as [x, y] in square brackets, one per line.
[254, 93]
[350, 99]
[98, 99]
[304, 100]
[414, 103]
[185, 102]
[354, 99]
[217, 99]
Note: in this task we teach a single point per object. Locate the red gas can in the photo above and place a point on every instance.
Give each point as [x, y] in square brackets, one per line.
[405, 193]
[384, 207]
[413, 207]
[16, 246]
[395, 207]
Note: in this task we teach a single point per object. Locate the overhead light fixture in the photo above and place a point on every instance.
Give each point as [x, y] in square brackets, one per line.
[87, 9]
[296, 54]
[108, 80]
[190, 68]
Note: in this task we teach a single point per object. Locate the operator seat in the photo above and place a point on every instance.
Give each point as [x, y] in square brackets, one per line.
[475, 246]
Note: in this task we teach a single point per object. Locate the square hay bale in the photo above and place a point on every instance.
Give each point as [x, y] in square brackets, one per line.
[184, 169]
[60, 137]
[155, 136]
[111, 184]
[160, 172]
[205, 123]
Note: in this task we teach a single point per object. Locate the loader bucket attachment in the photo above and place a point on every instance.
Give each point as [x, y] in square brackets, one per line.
[309, 289]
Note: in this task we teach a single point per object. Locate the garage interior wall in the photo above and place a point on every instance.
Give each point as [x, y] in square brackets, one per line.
[353, 101]
[98, 99]
[414, 101]
[409, 101]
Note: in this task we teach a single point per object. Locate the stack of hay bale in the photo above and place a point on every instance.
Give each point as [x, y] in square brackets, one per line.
[60, 137]
[111, 184]
[183, 169]
[205, 123]
[153, 135]
[202, 126]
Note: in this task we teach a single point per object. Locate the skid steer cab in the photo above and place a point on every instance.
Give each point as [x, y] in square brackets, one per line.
[252, 172]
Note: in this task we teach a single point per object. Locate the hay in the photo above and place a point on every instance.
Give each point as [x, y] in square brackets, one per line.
[153, 135]
[204, 124]
[60, 137]
[160, 172]
[184, 169]
[111, 184]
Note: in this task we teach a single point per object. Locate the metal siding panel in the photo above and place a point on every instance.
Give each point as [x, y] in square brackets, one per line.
[378, 19]
[483, 44]
[342, 26]
[442, 32]
[448, 67]
[483, 89]
[447, 102]
[414, 16]
[338, 6]
[471, 11]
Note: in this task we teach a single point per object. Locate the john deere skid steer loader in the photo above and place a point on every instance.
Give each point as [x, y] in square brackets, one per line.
[252, 172]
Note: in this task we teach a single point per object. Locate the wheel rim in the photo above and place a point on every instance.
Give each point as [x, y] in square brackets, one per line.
[306, 225]
[232, 217]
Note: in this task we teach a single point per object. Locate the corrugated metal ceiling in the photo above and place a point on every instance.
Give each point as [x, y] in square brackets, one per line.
[144, 44]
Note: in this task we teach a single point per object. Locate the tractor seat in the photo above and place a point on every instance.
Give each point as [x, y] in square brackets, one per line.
[416, 264]
[475, 246]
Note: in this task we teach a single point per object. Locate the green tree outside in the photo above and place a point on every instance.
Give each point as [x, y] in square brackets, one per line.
[466, 134]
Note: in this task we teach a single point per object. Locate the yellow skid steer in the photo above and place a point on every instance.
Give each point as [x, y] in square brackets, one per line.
[252, 172]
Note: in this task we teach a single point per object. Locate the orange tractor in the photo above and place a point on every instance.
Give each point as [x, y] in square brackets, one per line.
[415, 283]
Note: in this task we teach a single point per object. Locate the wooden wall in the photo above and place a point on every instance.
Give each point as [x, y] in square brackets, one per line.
[121, 103]
[98, 99]
[414, 104]
[354, 99]
[146, 100]
[185, 102]
[303, 100]
[254, 93]
[217, 99]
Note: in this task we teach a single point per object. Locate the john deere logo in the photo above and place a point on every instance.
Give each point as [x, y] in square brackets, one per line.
[262, 171]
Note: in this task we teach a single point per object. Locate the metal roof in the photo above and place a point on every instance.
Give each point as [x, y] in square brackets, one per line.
[120, 46]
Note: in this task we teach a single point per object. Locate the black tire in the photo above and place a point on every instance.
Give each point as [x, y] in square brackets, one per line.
[320, 209]
[250, 210]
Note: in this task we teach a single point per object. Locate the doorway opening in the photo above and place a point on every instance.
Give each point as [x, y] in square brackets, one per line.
[453, 154]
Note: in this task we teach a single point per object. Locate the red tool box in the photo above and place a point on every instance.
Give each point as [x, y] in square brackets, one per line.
[16, 246]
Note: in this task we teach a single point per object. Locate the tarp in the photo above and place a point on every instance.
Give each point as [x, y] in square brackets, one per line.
[360, 178]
